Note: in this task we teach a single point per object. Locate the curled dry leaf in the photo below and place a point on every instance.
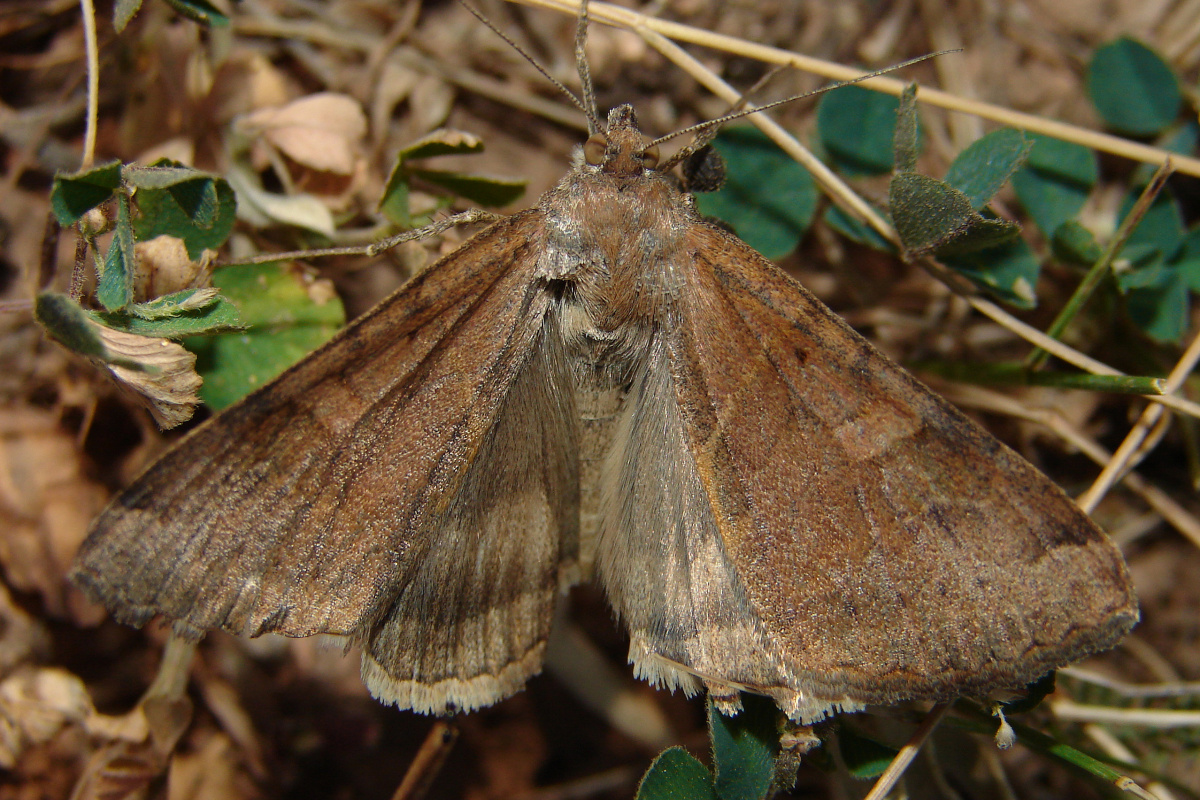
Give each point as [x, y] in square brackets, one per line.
[160, 372]
[22, 637]
[162, 266]
[210, 772]
[317, 139]
[139, 747]
[46, 504]
[394, 86]
[222, 700]
[120, 771]
[322, 131]
[244, 82]
[168, 718]
[261, 208]
[34, 705]
[430, 103]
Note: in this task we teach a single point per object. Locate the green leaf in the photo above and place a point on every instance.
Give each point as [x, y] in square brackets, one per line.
[1179, 138]
[987, 164]
[161, 174]
[199, 200]
[1075, 244]
[74, 195]
[1138, 255]
[768, 199]
[176, 316]
[394, 203]
[932, 217]
[676, 775]
[123, 12]
[1066, 161]
[855, 229]
[1156, 297]
[442, 142]
[1189, 270]
[195, 192]
[1055, 182]
[176, 303]
[1187, 259]
[906, 141]
[193, 206]
[1160, 230]
[1182, 139]
[744, 748]
[482, 189]
[864, 758]
[703, 171]
[855, 126]
[200, 11]
[285, 323]
[1133, 88]
[115, 287]
[1008, 272]
[68, 324]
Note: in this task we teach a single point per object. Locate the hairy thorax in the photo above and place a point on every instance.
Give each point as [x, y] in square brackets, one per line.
[616, 257]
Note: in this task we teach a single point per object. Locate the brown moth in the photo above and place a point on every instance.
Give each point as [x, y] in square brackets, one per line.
[608, 384]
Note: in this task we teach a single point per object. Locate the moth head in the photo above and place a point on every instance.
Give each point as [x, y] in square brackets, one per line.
[620, 149]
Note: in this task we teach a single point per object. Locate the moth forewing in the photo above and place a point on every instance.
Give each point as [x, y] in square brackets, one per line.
[366, 475]
[890, 548]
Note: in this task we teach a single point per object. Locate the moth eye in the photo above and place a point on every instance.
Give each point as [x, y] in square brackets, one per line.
[594, 149]
[650, 157]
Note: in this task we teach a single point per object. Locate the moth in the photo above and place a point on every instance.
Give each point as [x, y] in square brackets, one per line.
[608, 385]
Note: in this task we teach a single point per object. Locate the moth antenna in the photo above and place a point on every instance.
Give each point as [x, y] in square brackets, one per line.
[707, 131]
[588, 109]
[584, 70]
[705, 136]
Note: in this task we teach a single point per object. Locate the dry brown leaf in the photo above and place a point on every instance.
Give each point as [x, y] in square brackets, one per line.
[213, 772]
[120, 771]
[318, 141]
[165, 381]
[34, 705]
[394, 86]
[430, 103]
[223, 701]
[46, 505]
[162, 266]
[323, 131]
[140, 746]
[22, 637]
[245, 82]
[132, 727]
[177, 148]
